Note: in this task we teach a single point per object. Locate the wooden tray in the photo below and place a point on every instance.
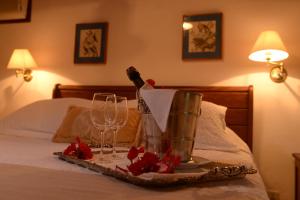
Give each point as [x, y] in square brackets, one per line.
[212, 171]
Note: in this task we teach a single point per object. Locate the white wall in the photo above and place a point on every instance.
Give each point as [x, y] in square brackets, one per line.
[147, 34]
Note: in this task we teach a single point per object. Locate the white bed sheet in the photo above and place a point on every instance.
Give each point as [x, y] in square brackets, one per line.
[34, 149]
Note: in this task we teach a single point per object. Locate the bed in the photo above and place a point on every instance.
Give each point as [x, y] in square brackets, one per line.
[25, 143]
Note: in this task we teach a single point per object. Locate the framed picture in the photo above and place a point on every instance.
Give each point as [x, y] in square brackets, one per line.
[15, 11]
[202, 36]
[90, 43]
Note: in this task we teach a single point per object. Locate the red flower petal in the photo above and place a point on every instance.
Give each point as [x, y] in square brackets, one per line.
[150, 162]
[70, 149]
[85, 150]
[141, 150]
[150, 158]
[134, 152]
[79, 149]
[171, 162]
[136, 168]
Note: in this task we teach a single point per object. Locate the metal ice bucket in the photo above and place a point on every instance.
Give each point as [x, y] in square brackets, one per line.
[155, 140]
[181, 128]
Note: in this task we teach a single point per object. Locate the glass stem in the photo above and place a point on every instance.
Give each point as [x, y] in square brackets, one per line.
[115, 142]
[101, 144]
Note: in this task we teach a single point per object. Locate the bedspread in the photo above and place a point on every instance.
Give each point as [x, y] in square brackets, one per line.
[28, 170]
[26, 182]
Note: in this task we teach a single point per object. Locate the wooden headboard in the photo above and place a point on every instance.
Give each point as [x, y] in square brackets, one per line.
[238, 100]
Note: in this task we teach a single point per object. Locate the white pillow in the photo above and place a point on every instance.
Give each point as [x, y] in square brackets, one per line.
[235, 139]
[213, 113]
[44, 115]
[210, 133]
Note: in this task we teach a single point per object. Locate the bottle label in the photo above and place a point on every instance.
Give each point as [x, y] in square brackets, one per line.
[142, 106]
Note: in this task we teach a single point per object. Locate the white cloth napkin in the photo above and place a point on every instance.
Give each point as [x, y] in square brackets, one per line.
[159, 102]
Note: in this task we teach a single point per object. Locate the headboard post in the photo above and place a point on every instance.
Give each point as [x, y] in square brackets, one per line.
[250, 117]
[56, 91]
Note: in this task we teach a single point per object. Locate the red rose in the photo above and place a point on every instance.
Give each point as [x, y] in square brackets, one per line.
[84, 151]
[79, 150]
[151, 82]
[150, 162]
[134, 152]
[70, 149]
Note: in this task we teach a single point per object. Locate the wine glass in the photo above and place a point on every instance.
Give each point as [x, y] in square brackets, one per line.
[110, 110]
[98, 116]
[110, 113]
[120, 120]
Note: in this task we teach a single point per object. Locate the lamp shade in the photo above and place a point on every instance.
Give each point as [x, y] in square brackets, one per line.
[268, 47]
[21, 59]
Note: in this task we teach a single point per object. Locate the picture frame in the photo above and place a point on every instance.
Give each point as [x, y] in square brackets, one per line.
[15, 11]
[91, 43]
[202, 36]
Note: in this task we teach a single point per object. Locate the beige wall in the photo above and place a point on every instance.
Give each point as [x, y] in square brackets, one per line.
[147, 34]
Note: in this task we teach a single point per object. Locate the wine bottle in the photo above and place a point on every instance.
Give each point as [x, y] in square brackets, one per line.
[135, 77]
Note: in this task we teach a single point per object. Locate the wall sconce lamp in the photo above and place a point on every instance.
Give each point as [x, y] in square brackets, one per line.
[269, 48]
[22, 61]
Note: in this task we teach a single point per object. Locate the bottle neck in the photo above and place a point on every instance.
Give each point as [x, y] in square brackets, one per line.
[138, 82]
